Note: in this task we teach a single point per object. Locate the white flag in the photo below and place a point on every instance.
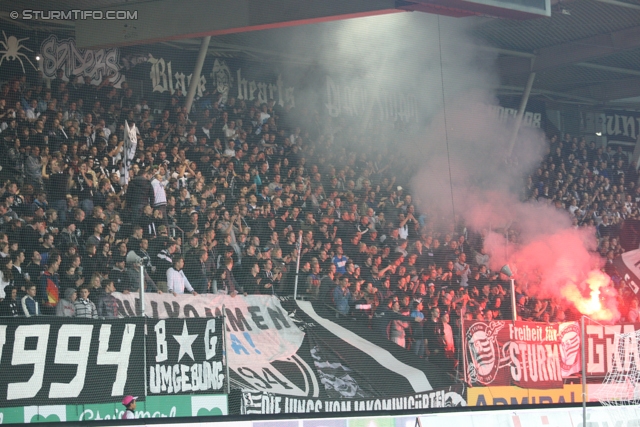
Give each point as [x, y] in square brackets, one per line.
[130, 144]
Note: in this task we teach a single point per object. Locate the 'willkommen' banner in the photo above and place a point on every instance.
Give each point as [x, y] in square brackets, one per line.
[525, 354]
[259, 331]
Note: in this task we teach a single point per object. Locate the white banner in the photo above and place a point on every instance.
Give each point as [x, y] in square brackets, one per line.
[97, 64]
[259, 331]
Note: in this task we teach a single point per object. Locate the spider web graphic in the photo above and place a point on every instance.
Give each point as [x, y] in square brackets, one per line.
[620, 389]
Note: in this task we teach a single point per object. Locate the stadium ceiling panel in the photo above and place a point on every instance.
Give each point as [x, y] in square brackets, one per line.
[587, 50]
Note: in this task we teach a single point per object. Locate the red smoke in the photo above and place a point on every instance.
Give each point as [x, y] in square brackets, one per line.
[473, 168]
[562, 265]
[550, 258]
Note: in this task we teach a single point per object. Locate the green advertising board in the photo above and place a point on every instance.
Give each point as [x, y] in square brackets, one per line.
[152, 407]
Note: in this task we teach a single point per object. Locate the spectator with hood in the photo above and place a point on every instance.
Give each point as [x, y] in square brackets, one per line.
[66, 307]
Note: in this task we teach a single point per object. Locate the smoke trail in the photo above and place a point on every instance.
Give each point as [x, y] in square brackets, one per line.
[462, 167]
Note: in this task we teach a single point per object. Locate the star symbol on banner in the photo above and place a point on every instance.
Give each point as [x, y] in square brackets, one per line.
[185, 340]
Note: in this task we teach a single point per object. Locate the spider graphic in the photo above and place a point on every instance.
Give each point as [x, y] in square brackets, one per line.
[12, 48]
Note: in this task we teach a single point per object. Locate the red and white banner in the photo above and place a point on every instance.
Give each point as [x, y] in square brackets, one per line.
[570, 356]
[525, 354]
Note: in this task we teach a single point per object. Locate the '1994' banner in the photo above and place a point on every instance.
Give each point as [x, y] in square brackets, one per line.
[48, 359]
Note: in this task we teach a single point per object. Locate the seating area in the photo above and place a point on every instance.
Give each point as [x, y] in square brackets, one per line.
[216, 200]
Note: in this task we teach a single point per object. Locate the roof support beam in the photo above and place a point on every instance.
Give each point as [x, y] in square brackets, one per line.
[586, 49]
[521, 89]
[621, 4]
[164, 20]
[607, 68]
[565, 54]
[611, 90]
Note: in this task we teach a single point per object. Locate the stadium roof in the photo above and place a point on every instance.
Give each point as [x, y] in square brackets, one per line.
[587, 52]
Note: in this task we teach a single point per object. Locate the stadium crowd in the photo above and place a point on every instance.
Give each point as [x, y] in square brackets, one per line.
[215, 201]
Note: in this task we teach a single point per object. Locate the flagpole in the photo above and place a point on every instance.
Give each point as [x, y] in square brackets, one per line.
[224, 345]
[584, 375]
[295, 288]
[127, 145]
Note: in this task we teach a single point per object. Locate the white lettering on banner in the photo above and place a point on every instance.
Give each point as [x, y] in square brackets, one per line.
[626, 124]
[176, 378]
[534, 361]
[538, 362]
[630, 357]
[631, 260]
[163, 79]
[32, 345]
[259, 329]
[530, 351]
[161, 342]
[210, 340]
[118, 358]
[251, 90]
[183, 82]
[621, 124]
[159, 72]
[179, 377]
[3, 338]
[36, 357]
[269, 403]
[66, 357]
[97, 64]
[88, 414]
[269, 379]
[535, 333]
[602, 349]
[357, 101]
[529, 118]
[180, 84]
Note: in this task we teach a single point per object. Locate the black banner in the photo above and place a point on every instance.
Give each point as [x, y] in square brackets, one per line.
[53, 360]
[626, 266]
[340, 366]
[620, 125]
[184, 356]
[268, 403]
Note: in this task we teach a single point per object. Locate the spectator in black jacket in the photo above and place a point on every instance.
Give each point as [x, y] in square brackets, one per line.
[139, 194]
[31, 236]
[119, 276]
[19, 278]
[107, 304]
[133, 277]
[10, 306]
[196, 270]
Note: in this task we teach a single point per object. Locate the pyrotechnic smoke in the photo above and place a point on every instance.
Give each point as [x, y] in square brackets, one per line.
[463, 147]
[477, 180]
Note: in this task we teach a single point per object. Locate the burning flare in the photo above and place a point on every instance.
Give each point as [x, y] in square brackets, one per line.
[599, 303]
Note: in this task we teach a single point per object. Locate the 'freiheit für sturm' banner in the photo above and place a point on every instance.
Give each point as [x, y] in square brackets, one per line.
[525, 354]
[52, 360]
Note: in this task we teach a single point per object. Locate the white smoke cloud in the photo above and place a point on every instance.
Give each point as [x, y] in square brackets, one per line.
[462, 147]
